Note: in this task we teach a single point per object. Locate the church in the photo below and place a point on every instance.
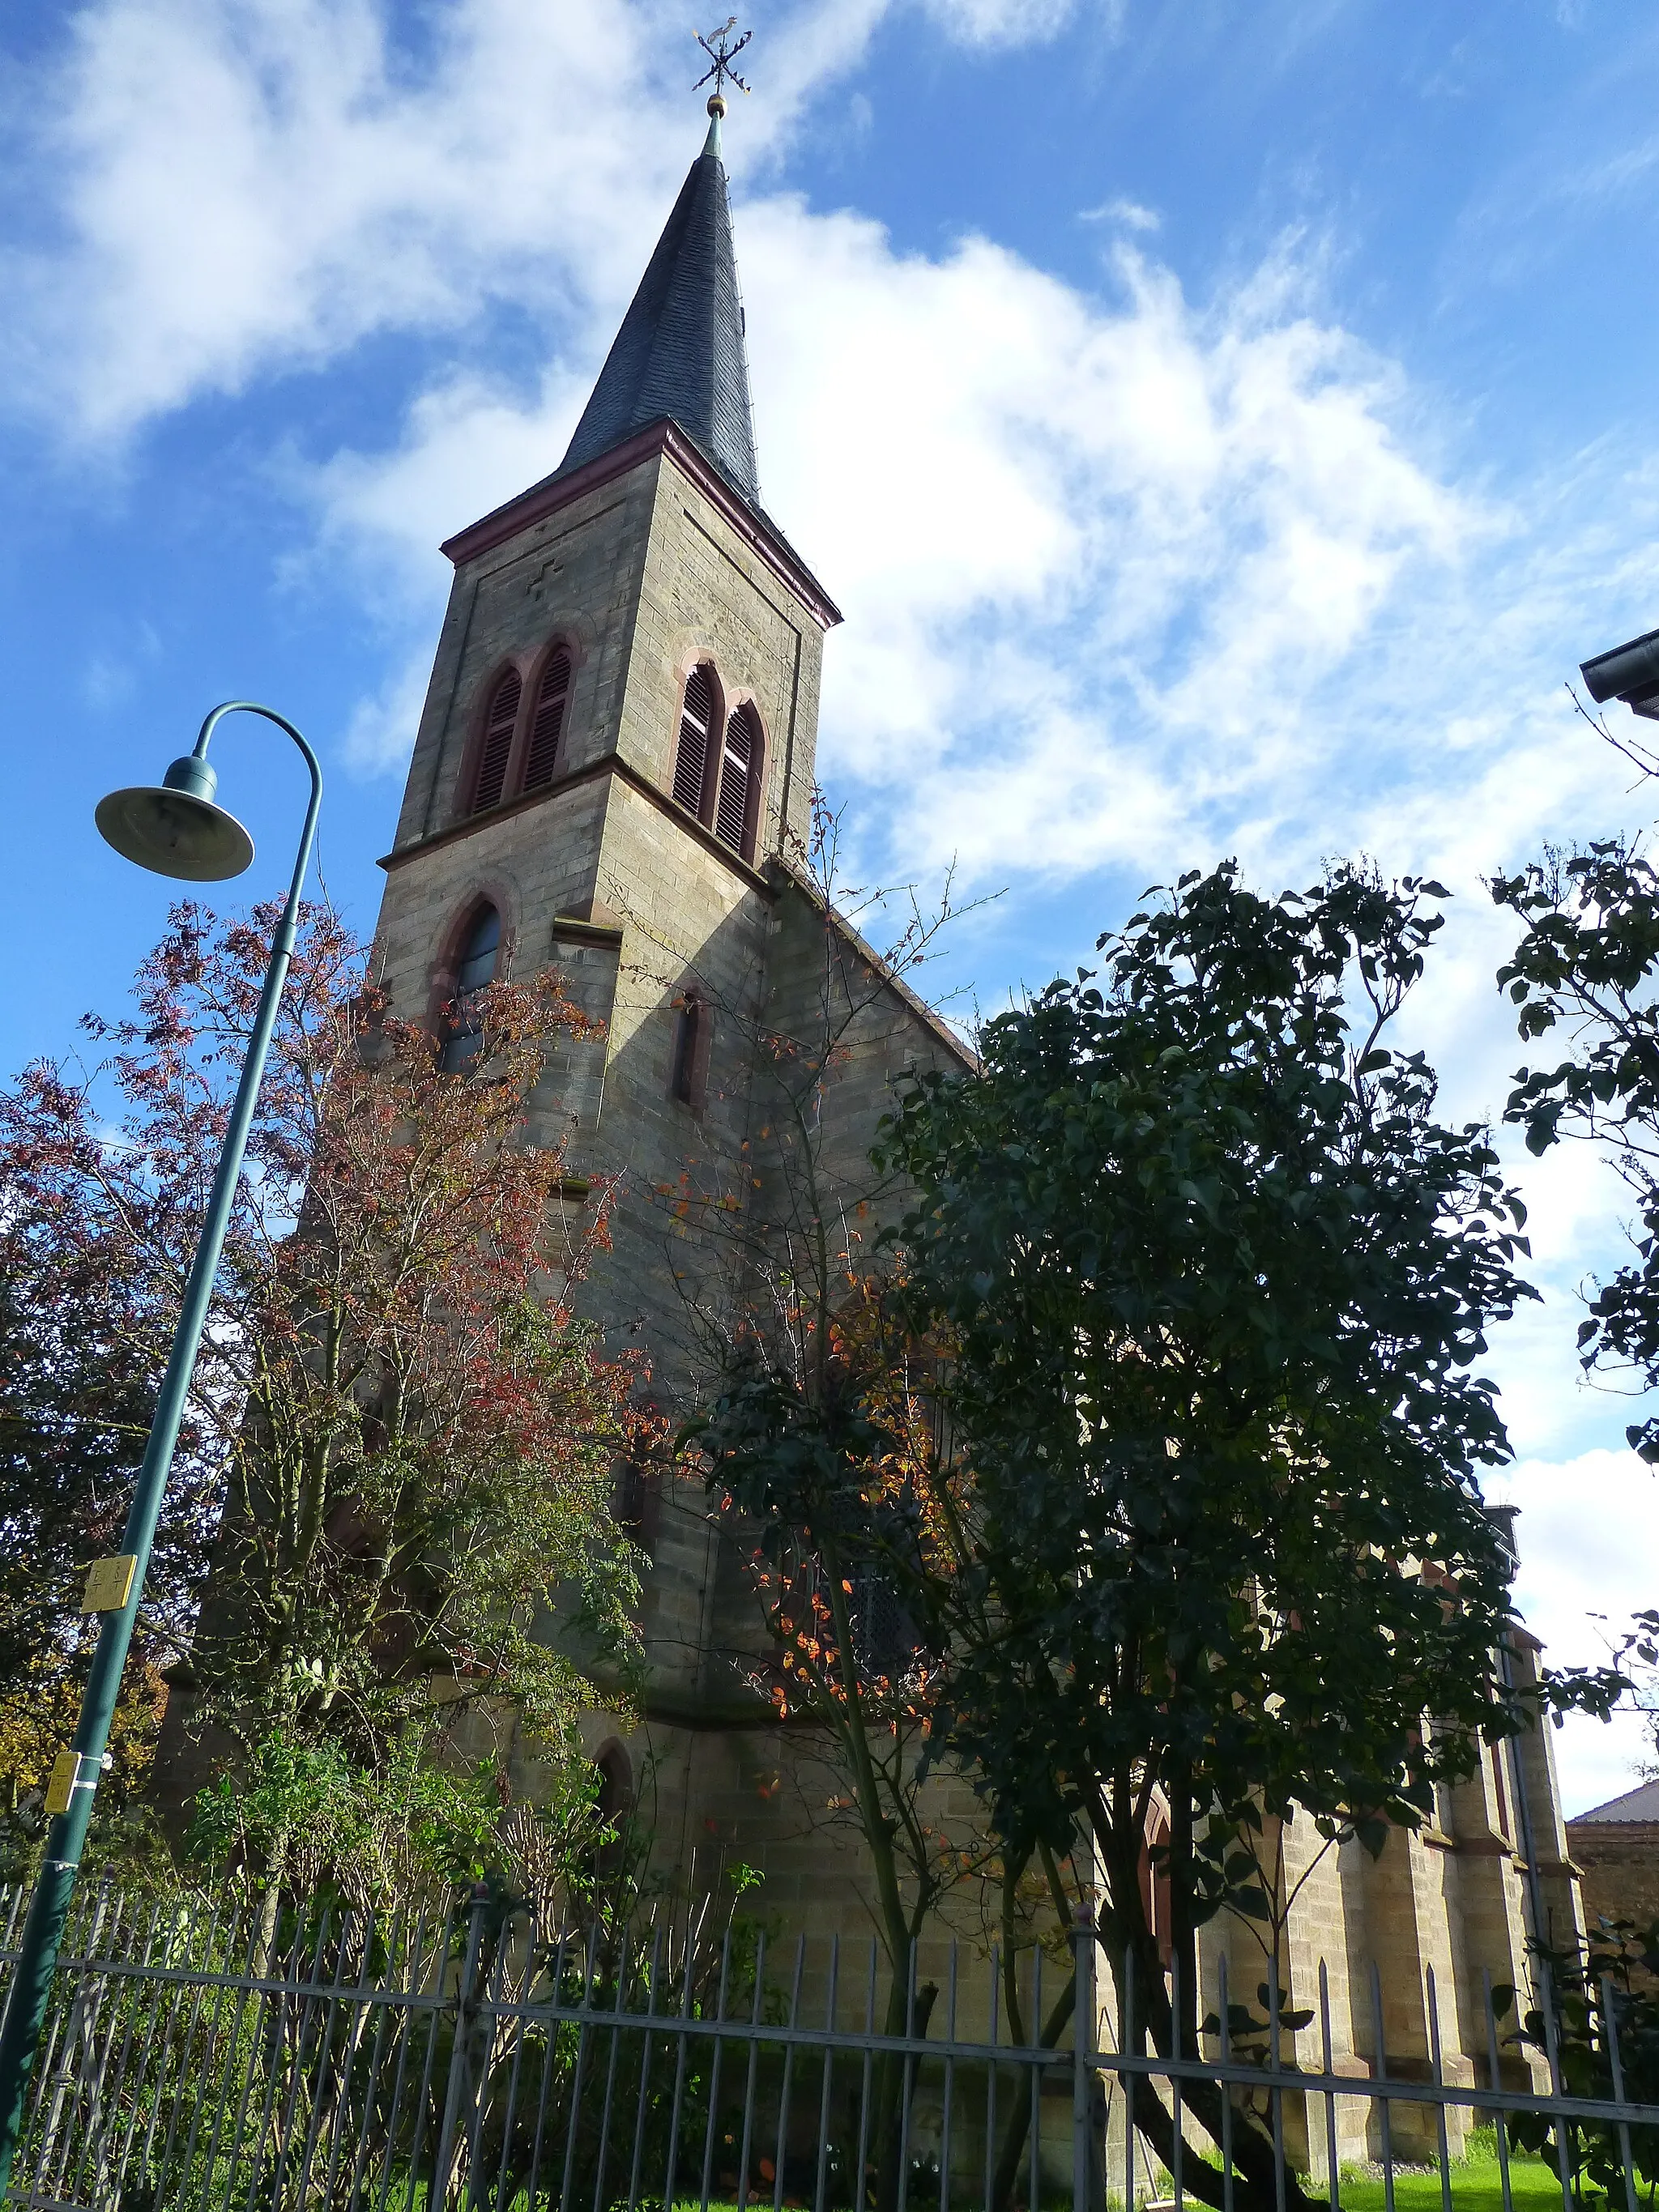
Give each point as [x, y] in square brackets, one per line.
[613, 776]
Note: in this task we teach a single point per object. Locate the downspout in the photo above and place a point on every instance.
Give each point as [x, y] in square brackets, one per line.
[1503, 1517]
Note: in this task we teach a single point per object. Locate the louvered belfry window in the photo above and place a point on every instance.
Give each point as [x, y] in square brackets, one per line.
[692, 762]
[497, 747]
[547, 721]
[740, 759]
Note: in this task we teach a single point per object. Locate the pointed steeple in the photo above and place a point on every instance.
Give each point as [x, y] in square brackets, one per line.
[679, 354]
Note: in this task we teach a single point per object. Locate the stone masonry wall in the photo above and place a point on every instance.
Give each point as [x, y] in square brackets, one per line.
[1620, 1863]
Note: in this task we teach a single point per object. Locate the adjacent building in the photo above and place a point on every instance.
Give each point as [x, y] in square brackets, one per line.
[1615, 1848]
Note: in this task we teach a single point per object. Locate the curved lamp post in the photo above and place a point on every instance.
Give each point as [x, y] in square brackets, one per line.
[174, 829]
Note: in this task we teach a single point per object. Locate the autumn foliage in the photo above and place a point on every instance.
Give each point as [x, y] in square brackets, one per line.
[402, 1439]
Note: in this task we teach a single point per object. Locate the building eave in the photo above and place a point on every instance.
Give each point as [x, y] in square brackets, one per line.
[554, 492]
[785, 872]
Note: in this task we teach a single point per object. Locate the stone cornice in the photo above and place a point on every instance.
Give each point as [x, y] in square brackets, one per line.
[591, 771]
[571, 929]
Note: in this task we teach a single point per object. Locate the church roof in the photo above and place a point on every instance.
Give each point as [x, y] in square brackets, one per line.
[1639, 1804]
[679, 356]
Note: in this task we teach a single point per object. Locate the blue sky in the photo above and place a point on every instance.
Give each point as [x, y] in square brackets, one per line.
[1224, 422]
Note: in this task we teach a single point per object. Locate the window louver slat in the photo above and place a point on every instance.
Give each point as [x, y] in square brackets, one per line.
[497, 741]
[731, 817]
[692, 762]
[544, 729]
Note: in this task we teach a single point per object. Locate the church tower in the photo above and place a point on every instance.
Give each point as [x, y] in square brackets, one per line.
[622, 714]
[613, 777]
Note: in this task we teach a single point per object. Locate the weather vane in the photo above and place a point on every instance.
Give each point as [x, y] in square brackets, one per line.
[722, 53]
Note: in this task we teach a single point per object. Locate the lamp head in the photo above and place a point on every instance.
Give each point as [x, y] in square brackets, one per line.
[174, 829]
[1629, 672]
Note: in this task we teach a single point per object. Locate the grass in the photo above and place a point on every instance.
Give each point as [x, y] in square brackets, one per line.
[1476, 2184]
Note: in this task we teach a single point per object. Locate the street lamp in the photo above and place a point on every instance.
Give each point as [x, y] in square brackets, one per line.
[174, 829]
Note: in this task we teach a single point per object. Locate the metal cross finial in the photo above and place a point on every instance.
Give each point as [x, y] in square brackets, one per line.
[722, 53]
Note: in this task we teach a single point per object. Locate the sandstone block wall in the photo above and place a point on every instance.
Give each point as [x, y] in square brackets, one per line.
[1620, 1860]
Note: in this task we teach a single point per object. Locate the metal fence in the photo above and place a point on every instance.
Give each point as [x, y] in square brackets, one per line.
[471, 2058]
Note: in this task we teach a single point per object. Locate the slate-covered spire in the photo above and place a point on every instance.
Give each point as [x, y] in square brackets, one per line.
[680, 352]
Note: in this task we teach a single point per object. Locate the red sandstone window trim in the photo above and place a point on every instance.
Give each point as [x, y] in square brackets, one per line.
[443, 977]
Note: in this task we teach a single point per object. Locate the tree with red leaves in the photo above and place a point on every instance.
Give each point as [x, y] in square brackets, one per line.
[403, 1432]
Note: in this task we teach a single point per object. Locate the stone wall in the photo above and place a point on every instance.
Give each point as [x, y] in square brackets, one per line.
[1618, 1863]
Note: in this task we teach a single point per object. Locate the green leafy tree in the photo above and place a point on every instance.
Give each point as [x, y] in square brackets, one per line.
[1215, 1281]
[833, 1455]
[1582, 978]
[1605, 2001]
[1584, 981]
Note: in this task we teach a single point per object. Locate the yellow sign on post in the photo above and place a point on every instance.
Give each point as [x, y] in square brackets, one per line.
[65, 1769]
[109, 1584]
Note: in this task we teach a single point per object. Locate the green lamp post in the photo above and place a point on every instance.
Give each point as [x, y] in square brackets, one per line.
[173, 829]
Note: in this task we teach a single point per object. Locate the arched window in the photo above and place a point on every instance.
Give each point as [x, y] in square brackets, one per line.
[687, 1079]
[615, 1783]
[692, 762]
[547, 721]
[497, 747]
[634, 1502]
[615, 1805]
[740, 760]
[1154, 1875]
[477, 967]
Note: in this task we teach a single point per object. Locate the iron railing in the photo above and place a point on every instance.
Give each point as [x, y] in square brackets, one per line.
[470, 2057]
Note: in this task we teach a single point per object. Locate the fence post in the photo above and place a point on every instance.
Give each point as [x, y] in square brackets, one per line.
[78, 2037]
[1084, 2196]
[460, 2050]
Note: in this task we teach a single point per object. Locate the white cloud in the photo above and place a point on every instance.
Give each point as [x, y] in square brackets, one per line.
[1127, 576]
[1129, 579]
[1129, 213]
[378, 734]
[1091, 542]
[247, 186]
[257, 186]
[1000, 22]
[1589, 1534]
[1085, 537]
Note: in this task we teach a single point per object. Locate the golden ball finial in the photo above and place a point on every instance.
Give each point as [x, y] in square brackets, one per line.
[716, 104]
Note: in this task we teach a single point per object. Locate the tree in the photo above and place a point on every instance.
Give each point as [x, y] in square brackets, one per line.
[413, 1436]
[833, 1457]
[1215, 1281]
[814, 1433]
[784, 1305]
[1601, 2030]
[1584, 974]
